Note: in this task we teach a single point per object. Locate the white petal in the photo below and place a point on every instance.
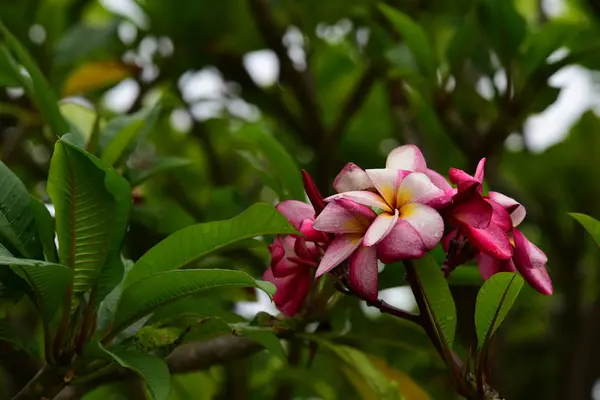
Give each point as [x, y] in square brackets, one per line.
[352, 177]
[379, 229]
[339, 249]
[418, 188]
[363, 197]
[407, 157]
[427, 222]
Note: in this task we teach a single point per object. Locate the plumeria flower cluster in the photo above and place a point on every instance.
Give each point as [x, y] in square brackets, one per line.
[397, 213]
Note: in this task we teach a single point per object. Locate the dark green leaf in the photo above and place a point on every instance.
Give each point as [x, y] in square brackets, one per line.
[151, 369]
[494, 301]
[465, 275]
[163, 164]
[7, 71]
[9, 334]
[591, 225]
[415, 37]
[438, 298]
[83, 40]
[45, 226]
[147, 294]
[18, 231]
[265, 337]
[189, 244]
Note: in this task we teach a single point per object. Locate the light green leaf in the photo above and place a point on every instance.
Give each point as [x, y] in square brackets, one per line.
[591, 225]
[18, 231]
[45, 227]
[163, 164]
[265, 337]
[151, 369]
[7, 72]
[495, 298]
[9, 334]
[274, 159]
[37, 88]
[48, 281]
[189, 244]
[415, 38]
[465, 275]
[92, 206]
[438, 298]
[145, 295]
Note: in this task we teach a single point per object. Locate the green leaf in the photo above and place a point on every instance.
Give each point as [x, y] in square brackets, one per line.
[9, 334]
[92, 205]
[438, 298]
[145, 295]
[7, 72]
[591, 225]
[163, 164]
[270, 156]
[494, 301]
[45, 227]
[503, 26]
[151, 369]
[415, 37]
[47, 280]
[189, 244]
[39, 89]
[265, 337]
[82, 40]
[120, 133]
[18, 231]
[465, 275]
[108, 305]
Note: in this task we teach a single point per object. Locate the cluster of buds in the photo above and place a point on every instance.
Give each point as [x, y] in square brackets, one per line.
[397, 213]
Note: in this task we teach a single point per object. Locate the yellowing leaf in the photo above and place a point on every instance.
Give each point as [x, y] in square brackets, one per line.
[95, 75]
[407, 386]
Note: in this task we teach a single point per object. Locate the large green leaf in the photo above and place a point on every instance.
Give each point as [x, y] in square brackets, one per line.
[37, 88]
[7, 71]
[145, 295]
[265, 337]
[591, 225]
[92, 205]
[48, 282]
[438, 299]
[495, 298]
[18, 231]
[45, 227]
[415, 38]
[268, 156]
[9, 334]
[150, 368]
[189, 244]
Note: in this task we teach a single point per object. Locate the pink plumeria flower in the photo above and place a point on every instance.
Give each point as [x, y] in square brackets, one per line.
[527, 258]
[406, 158]
[292, 291]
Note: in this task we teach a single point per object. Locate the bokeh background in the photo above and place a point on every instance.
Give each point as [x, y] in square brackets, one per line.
[335, 81]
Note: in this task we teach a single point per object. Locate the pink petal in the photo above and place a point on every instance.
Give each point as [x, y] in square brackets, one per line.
[407, 157]
[403, 242]
[416, 187]
[308, 230]
[531, 263]
[339, 249]
[474, 212]
[364, 272]
[500, 216]
[464, 181]
[363, 197]
[426, 221]
[386, 182]
[382, 226]
[352, 177]
[518, 211]
[439, 181]
[479, 170]
[276, 250]
[296, 211]
[492, 241]
[291, 293]
[344, 216]
[488, 266]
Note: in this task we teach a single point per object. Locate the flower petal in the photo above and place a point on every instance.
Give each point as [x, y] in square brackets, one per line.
[283, 266]
[382, 226]
[352, 177]
[407, 157]
[296, 211]
[344, 216]
[308, 230]
[416, 187]
[426, 221]
[531, 263]
[339, 249]
[474, 212]
[488, 266]
[479, 170]
[517, 211]
[500, 216]
[492, 241]
[439, 181]
[362, 197]
[291, 293]
[386, 182]
[364, 272]
[403, 242]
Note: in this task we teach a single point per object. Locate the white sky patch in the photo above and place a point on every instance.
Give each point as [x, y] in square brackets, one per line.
[128, 9]
[262, 66]
[204, 84]
[248, 309]
[401, 297]
[120, 98]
